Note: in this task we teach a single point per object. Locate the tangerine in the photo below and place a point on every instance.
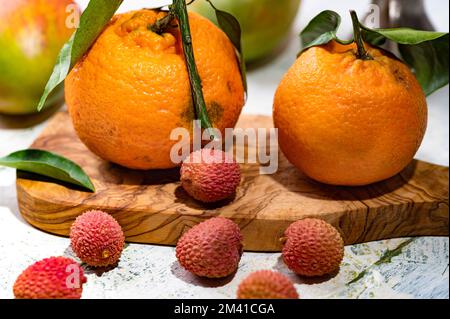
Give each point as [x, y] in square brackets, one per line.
[132, 88]
[348, 121]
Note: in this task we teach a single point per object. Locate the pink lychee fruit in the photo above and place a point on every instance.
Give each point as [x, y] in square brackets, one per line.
[312, 247]
[51, 278]
[266, 284]
[210, 175]
[97, 238]
[211, 249]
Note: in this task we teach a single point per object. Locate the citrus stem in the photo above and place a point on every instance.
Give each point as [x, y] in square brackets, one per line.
[362, 53]
[180, 10]
[162, 24]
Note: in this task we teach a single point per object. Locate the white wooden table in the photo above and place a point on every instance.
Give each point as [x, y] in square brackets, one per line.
[400, 268]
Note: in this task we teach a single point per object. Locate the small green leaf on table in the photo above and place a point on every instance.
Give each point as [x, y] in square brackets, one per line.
[48, 164]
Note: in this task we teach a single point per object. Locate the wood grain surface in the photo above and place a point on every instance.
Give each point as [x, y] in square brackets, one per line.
[152, 207]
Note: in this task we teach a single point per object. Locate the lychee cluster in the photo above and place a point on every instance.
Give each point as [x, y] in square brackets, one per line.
[97, 238]
[51, 278]
[210, 175]
[312, 247]
[211, 249]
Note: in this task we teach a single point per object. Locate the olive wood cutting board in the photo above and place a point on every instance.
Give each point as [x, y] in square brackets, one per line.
[152, 207]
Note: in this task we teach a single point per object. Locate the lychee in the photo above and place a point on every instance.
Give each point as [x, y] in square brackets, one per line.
[210, 175]
[312, 247]
[51, 278]
[266, 284]
[97, 238]
[211, 249]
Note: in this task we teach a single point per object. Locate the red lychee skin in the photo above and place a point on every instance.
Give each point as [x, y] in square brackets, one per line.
[211, 249]
[210, 175]
[266, 284]
[51, 278]
[313, 248]
[97, 238]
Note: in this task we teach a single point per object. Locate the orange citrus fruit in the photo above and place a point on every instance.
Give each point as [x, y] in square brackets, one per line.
[348, 121]
[132, 88]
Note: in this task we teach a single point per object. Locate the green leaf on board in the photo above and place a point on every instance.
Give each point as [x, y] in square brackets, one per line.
[92, 22]
[232, 28]
[48, 164]
[427, 53]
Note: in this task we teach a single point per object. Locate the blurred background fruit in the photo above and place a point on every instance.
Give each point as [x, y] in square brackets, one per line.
[265, 23]
[32, 33]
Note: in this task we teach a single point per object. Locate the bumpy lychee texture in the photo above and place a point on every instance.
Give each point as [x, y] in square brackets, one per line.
[51, 278]
[312, 248]
[210, 175]
[211, 249]
[97, 238]
[266, 284]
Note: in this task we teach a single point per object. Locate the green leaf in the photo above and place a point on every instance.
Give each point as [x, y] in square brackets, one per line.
[48, 164]
[429, 61]
[92, 22]
[405, 35]
[321, 30]
[373, 38]
[232, 28]
[425, 52]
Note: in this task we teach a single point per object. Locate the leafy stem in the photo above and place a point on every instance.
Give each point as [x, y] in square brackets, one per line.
[425, 52]
[362, 53]
[180, 11]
